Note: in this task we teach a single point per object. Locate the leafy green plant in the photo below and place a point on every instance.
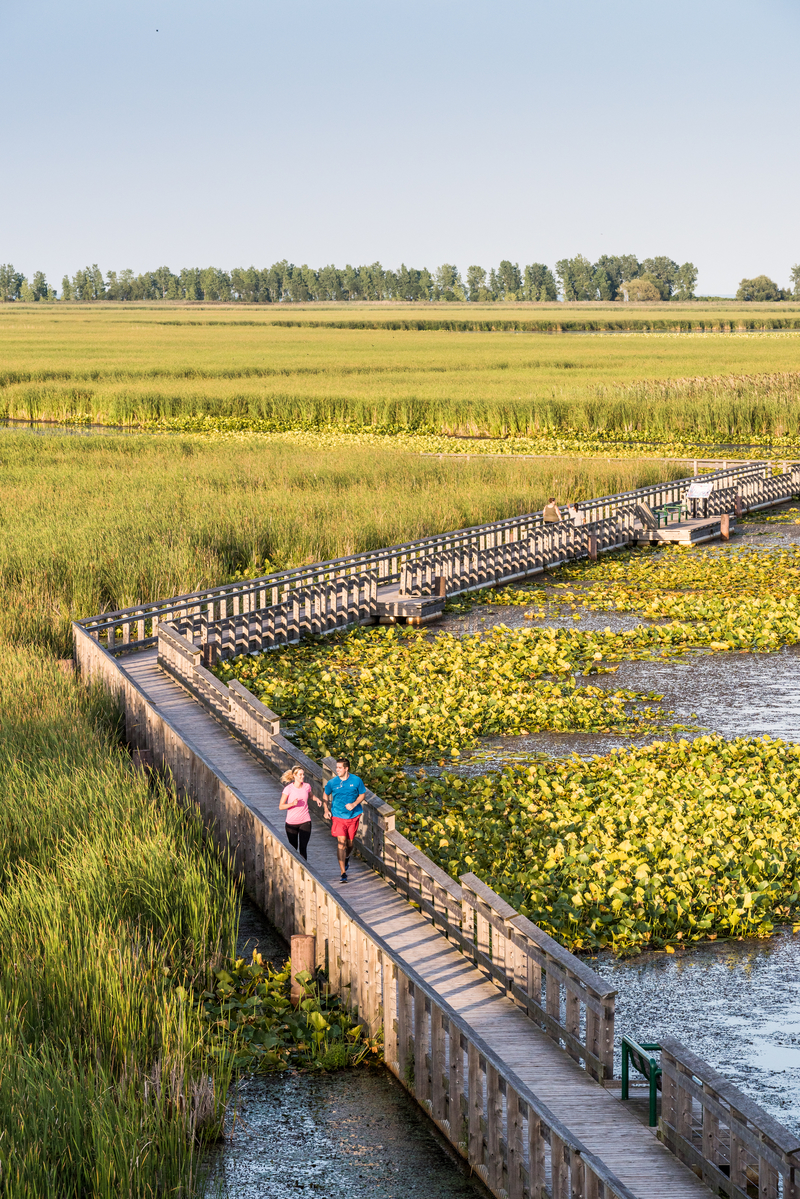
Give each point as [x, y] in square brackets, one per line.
[252, 1024]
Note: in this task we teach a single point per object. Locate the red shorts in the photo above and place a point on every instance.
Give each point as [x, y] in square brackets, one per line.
[344, 828]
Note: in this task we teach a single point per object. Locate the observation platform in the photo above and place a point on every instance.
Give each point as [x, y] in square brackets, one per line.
[394, 608]
[690, 531]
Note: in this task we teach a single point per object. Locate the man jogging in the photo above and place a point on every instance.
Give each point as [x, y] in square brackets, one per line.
[345, 793]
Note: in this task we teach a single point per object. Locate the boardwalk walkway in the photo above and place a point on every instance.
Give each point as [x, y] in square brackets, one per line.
[605, 1126]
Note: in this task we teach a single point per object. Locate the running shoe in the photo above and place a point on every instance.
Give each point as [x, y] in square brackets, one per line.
[344, 878]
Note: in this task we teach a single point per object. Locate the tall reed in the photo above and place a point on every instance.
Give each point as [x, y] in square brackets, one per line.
[102, 523]
[110, 897]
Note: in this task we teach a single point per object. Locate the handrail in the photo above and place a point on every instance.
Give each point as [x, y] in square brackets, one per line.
[726, 1137]
[634, 1054]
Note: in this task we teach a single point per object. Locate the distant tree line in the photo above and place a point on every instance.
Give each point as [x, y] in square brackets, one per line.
[621, 278]
[764, 288]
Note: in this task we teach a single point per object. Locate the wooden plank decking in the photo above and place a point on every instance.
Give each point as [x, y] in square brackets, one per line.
[605, 1126]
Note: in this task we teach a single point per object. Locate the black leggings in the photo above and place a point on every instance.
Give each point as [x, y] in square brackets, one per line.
[299, 833]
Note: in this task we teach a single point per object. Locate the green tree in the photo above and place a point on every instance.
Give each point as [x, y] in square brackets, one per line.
[88, 284]
[476, 283]
[374, 282]
[759, 289]
[351, 282]
[10, 283]
[277, 274]
[509, 280]
[539, 283]
[330, 283]
[612, 270]
[215, 284]
[311, 280]
[663, 272]
[189, 285]
[447, 284]
[685, 281]
[643, 290]
[39, 285]
[166, 282]
[795, 277]
[576, 276]
[245, 284]
[26, 292]
[66, 288]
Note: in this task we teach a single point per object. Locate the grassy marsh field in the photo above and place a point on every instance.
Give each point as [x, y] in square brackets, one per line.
[93, 523]
[112, 907]
[113, 901]
[220, 370]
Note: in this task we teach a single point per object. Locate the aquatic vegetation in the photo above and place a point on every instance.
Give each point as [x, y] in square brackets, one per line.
[674, 841]
[251, 1023]
[394, 696]
[670, 842]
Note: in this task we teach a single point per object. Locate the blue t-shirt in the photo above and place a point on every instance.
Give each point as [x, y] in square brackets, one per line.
[344, 791]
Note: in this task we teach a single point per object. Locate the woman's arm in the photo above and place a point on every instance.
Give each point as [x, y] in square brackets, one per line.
[286, 803]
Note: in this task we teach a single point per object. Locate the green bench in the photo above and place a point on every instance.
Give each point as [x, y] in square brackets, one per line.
[638, 1056]
[668, 512]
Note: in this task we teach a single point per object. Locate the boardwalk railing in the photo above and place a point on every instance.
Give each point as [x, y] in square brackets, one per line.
[726, 1137]
[513, 1141]
[137, 627]
[466, 568]
[555, 989]
[510, 1138]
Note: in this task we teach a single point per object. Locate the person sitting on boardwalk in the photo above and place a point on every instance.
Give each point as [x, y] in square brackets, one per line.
[552, 512]
[294, 802]
[345, 792]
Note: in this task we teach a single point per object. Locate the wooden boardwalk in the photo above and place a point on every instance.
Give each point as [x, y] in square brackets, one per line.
[605, 1126]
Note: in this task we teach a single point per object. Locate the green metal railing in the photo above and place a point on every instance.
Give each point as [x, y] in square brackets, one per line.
[636, 1055]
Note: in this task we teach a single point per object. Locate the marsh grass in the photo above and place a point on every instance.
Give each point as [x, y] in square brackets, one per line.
[93, 523]
[111, 895]
[274, 372]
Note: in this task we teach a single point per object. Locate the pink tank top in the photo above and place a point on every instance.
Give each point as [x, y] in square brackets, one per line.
[299, 796]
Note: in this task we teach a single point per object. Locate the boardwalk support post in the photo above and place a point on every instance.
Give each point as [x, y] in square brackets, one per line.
[304, 961]
[725, 527]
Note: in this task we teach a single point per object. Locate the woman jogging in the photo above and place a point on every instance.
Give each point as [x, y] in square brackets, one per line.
[294, 802]
[345, 792]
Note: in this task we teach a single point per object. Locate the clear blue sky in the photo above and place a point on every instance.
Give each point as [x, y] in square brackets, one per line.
[426, 131]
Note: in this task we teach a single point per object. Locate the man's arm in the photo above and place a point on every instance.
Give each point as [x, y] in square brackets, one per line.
[358, 799]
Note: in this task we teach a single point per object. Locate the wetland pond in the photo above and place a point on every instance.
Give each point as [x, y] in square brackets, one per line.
[734, 1003]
